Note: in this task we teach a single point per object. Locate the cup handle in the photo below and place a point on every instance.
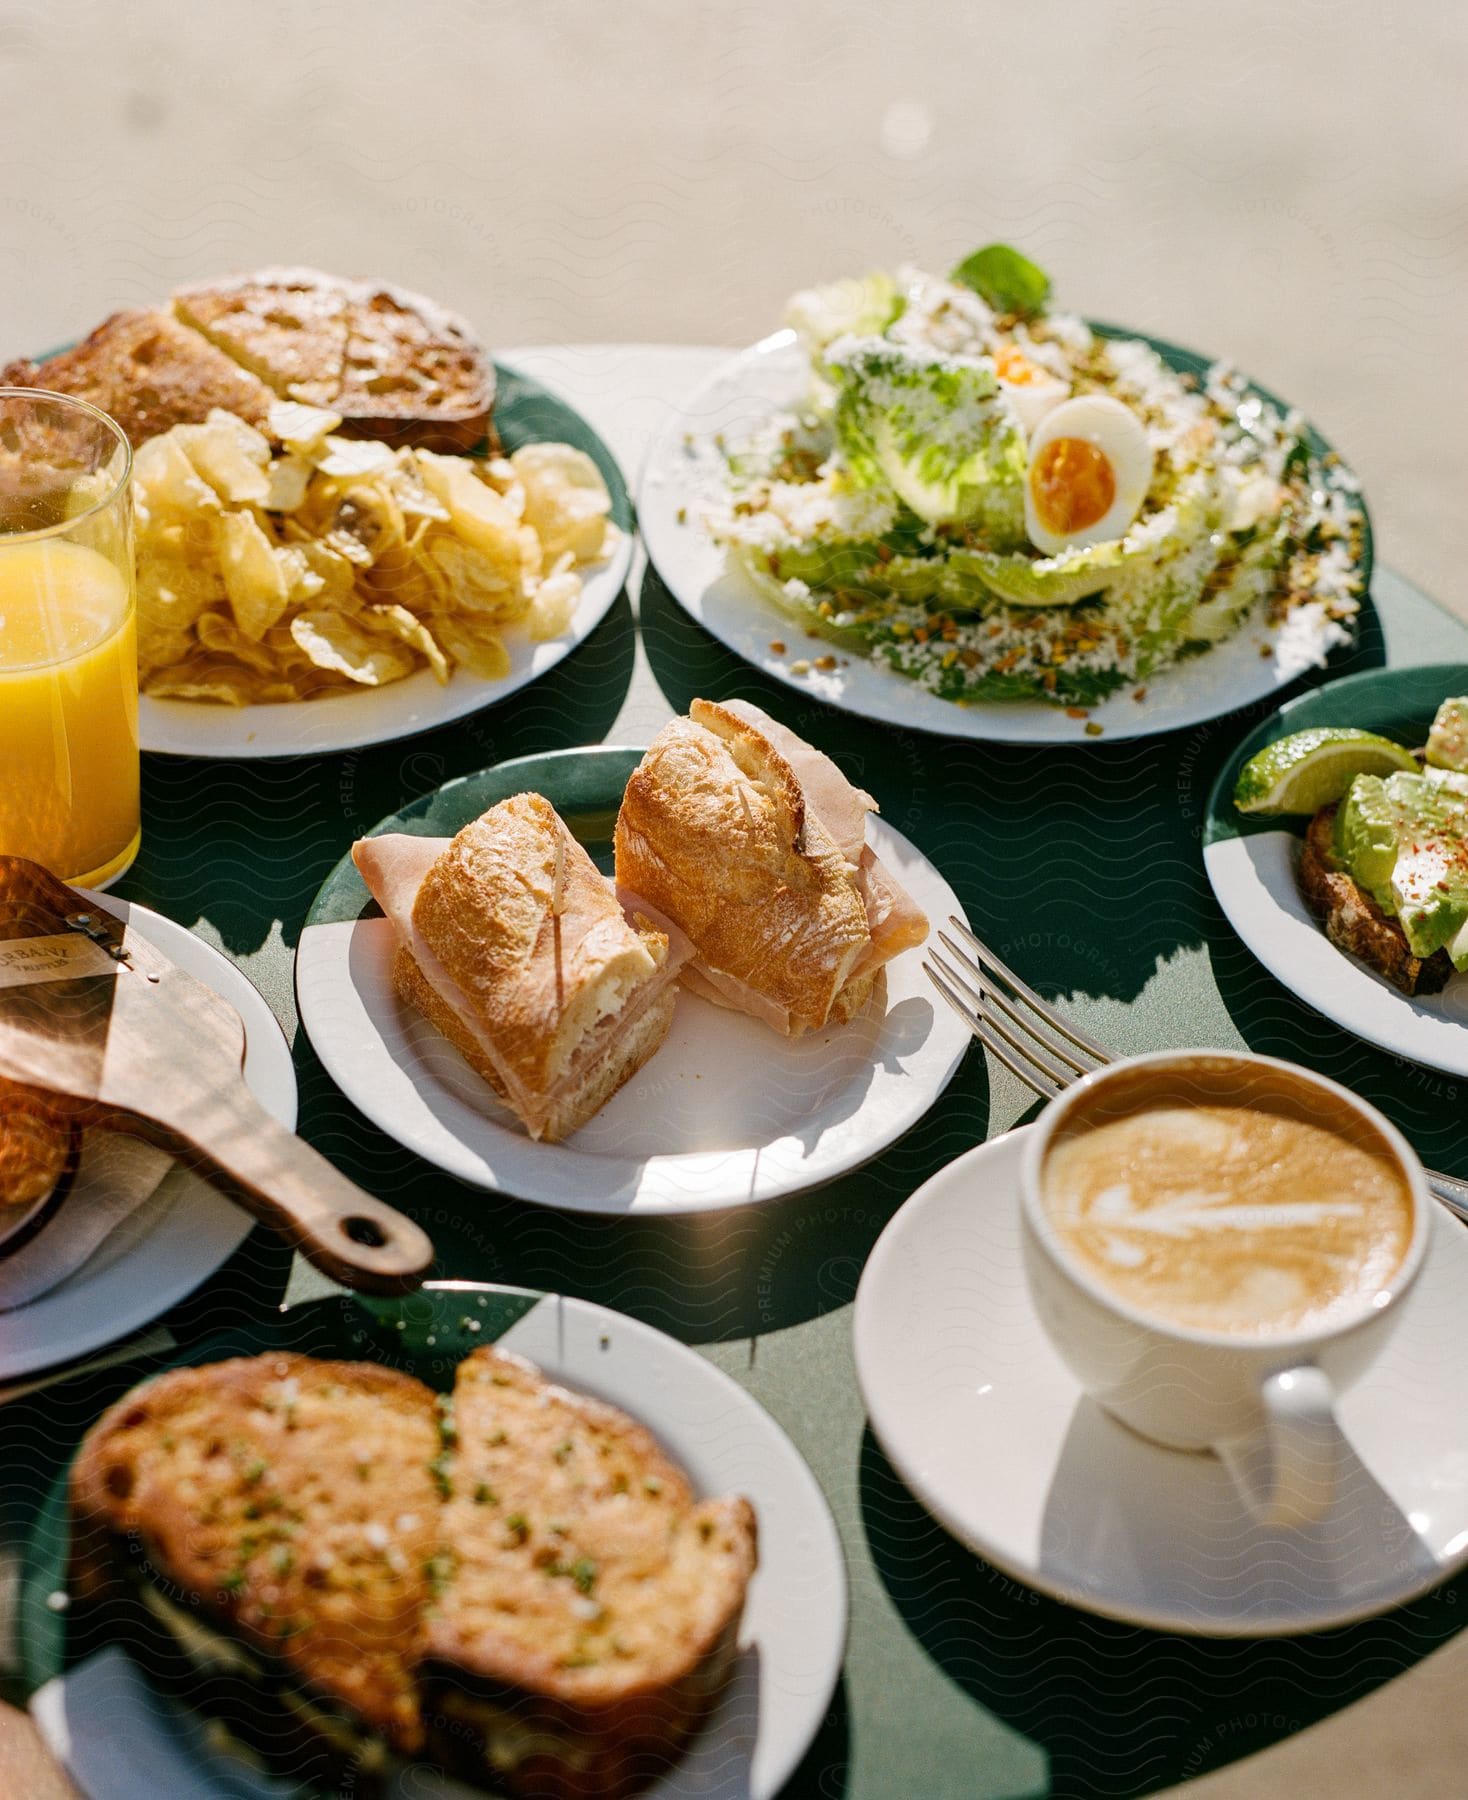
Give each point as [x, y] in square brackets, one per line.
[1288, 1470]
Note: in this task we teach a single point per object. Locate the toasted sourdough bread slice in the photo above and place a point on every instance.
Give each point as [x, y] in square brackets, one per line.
[752, 843]
[149, 373]
[292, 1503]
[594, 1605]
[514, 946]
[1355, 923]
[300, 1547]
[394, 364]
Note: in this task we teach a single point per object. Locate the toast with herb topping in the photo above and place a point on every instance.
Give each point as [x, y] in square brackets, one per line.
[342, 1568]
[594, 1604]
[1354, 922]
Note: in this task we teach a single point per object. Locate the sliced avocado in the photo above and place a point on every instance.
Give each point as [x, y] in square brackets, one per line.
[1458, 951]
[1366, 837]
[1430, 880]
[1405, 839]
[1447, 742]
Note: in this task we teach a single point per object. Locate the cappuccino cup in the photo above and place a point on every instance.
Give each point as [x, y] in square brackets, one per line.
[1217, 1244]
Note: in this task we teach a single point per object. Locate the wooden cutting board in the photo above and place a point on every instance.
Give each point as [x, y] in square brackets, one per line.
[92, 1013]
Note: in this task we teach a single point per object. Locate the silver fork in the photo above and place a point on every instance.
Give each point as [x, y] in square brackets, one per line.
[1041, 1046]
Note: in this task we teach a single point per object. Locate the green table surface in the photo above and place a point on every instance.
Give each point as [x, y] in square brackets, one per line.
[1082, 867]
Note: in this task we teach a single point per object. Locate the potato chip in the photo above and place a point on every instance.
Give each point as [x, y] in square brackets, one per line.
[333, 641]
[402, 625]
[255, 582]
[553, 603]
[230, 455]
[566, 500]
[290, 477]
[478, 514]
[188, 683]
[475, 583]
[473, 645]
[300, 427]
[346, 458]
[218, 633]
[164, 480]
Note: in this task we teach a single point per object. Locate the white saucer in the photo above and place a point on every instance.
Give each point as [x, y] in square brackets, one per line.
[179, 1237]
[990, 1430]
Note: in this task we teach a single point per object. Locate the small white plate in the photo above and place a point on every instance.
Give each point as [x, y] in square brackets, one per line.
[120, 1743]
[724, 1114]
[525, 412]
[990, 1430]
[180, 1236]
[680, 480]
[1254, 881]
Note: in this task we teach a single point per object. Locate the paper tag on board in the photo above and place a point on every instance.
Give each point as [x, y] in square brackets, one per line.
[65, 957]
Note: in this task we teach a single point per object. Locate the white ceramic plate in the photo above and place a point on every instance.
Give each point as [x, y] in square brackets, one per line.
[726, 1113]
[680, 478]
[1253, 880]
[525, 412]
[990, 1430]
[180, 1236]
[120, 1744]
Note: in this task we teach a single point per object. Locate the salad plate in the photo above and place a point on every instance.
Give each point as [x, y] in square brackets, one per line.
[780, 506]
[121, 1740]
[726, 1113]
[1252, 864]
[525, 413]
[177, 1238]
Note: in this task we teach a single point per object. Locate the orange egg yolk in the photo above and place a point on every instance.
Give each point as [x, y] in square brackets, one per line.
[1072, 484]
[1015, 367]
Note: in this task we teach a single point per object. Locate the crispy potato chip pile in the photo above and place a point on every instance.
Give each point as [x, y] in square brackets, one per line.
[320, 563]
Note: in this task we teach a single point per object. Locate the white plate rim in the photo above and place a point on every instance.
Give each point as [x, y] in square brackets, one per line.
[877, 1273]
[1231, 675]
[323, 986]
[1253, 880]
[175, 1257]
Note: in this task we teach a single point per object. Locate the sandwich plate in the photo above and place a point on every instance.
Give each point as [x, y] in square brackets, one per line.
[524, 413]
[1252, 864]
[121, 1741]
[679, 481]
[724, 1114]
[177, 1238]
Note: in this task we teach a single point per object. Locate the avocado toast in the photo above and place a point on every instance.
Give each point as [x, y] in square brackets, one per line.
[1384, 864]
[313, 1552]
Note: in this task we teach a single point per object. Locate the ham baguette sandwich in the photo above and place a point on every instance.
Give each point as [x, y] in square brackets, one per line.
[753, 844]
[512, 944]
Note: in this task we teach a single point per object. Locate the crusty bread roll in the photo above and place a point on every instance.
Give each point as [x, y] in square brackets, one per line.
[514, 946]
[753, 844]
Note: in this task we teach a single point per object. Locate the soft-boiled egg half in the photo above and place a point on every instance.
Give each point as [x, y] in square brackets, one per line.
[1030, 389]
[1090, 468]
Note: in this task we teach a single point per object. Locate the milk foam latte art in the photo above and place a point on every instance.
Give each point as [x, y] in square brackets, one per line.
[1217, 1200]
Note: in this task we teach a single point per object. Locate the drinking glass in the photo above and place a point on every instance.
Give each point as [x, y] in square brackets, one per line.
[68, 639]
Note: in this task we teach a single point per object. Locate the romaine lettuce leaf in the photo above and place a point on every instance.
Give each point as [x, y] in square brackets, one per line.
[936, 430]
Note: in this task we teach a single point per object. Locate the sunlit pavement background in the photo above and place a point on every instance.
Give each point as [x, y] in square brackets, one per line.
[1287, 185]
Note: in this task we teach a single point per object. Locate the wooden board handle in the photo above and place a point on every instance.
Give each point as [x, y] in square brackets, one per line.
[350, 1236]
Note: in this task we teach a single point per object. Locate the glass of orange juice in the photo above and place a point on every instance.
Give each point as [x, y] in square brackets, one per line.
[68, 639]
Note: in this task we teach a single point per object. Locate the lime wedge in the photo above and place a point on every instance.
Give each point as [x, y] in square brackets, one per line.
[1310, 769]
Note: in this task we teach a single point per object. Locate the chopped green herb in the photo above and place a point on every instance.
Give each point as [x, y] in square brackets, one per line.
[484, 1495]
[518, 1527]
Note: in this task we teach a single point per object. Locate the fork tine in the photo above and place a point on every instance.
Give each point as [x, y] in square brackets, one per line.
[1024, 1041]
[1043, 1085]
[1000, 1006]
[1046, 1011]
